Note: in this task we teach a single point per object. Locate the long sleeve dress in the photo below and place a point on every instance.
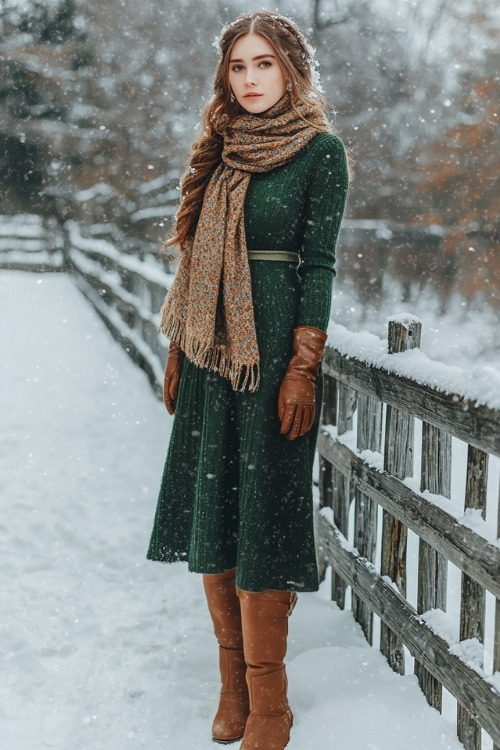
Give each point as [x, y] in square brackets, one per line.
[236, 493]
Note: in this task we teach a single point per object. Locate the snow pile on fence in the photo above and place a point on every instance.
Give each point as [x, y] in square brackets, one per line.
[477, 383]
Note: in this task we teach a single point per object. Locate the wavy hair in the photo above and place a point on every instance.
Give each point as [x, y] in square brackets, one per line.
[299, 68]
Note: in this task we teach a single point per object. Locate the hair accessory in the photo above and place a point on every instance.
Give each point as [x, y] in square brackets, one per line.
[289, 86]
[232, 98]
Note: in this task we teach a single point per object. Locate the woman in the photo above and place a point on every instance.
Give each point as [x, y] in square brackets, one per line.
[262, 203]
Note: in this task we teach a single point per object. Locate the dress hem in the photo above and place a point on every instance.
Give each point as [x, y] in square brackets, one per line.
[243, 585]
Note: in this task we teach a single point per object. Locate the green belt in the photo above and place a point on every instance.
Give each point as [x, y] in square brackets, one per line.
[274, 255]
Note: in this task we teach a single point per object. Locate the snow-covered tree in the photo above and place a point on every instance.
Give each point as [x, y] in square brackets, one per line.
[109, 94]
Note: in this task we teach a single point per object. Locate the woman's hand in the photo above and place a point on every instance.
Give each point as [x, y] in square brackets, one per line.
[173, 370]
[296, 399]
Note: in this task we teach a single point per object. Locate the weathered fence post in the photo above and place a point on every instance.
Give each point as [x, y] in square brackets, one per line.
[369, 437]
[435, 476]
[341, 484]
[404, 333]
[329, 413]
[472, 609]
[328, 417]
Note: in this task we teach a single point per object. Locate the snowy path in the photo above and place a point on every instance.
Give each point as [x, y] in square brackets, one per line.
[100, 649]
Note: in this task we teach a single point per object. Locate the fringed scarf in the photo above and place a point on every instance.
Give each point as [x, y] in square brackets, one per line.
[208, 310]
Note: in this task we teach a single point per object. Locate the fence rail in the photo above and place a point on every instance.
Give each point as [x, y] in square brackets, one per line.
[369, 495]
[369, 500]
[29, 242]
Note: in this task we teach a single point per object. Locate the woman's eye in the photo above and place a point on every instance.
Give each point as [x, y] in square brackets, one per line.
[265, 64]
[237, 68]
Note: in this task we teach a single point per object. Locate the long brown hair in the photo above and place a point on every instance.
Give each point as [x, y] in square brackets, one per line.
[298, 65]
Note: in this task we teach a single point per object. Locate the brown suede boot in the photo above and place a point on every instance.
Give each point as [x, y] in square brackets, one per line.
[224, 606]
[264, 619]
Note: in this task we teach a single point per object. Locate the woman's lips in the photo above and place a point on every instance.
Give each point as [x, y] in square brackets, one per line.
[252, 96]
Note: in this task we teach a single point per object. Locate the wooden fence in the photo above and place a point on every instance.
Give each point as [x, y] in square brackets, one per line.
[367, 452]
[123, 279]
[29, 242]
[126, 291]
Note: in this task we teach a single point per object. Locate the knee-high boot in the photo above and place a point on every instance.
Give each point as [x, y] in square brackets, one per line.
[264, 619]
[224, 606]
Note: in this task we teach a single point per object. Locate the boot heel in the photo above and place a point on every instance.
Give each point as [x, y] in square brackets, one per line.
[231, 717]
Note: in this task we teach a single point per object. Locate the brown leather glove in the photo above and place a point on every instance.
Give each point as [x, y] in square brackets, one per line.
[296, 400]
[172, 377]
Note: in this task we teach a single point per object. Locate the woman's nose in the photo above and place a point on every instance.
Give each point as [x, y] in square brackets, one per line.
[250, 77]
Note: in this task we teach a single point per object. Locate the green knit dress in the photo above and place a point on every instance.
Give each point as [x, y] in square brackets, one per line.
[236, 493]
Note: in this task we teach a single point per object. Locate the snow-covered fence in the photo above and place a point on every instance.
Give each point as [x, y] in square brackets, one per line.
[126, 290]
[376, 402]
[120, 276]
[29, 242]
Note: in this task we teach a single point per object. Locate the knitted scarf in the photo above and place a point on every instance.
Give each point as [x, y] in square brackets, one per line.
[208, 310]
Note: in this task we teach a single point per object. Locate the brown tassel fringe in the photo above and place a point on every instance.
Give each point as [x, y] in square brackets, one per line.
[241, 375]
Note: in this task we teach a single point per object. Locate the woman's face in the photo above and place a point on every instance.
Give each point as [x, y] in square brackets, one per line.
[255, 74]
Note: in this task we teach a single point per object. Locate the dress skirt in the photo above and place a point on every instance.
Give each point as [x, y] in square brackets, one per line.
[236, 493]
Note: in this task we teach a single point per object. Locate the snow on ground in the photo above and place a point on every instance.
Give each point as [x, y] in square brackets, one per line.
[101, 649]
